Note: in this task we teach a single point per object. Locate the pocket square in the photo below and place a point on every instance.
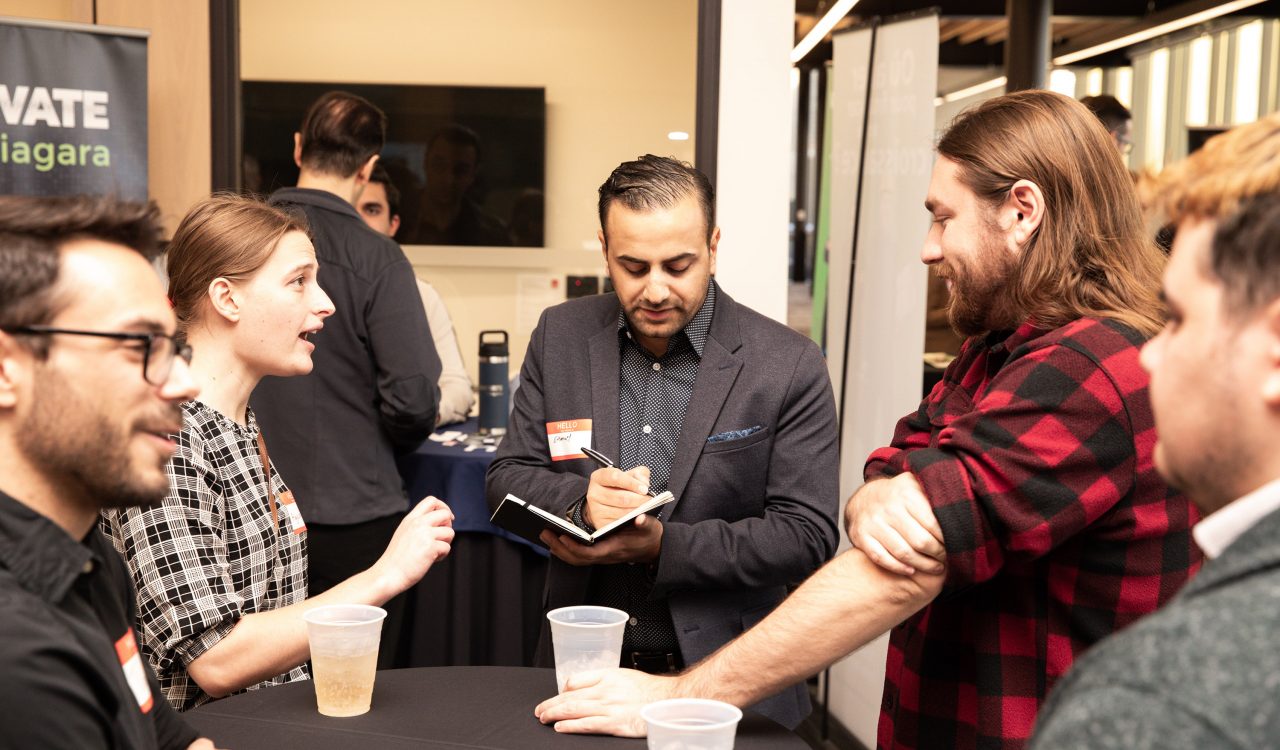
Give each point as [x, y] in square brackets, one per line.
[722, 437]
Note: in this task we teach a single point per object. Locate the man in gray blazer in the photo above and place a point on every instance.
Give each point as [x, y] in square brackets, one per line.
[687, 391]
[1205, 671]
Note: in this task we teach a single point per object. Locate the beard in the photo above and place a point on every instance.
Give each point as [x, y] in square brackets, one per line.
[979, 299]
[78, 446]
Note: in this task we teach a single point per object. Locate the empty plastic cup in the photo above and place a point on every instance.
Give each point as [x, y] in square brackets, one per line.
[691, 724]
[585, 638]
[344, 656]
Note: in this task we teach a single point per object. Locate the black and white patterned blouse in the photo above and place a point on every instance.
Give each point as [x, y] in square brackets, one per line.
[209, 553]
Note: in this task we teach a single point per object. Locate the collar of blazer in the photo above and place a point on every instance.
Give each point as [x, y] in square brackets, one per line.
[1255, 550]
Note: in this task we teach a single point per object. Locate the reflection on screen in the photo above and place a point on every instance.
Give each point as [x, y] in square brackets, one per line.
[470, 161]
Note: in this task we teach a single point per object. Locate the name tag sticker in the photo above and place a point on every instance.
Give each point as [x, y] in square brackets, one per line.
[566, 438]
[134, 673]
[291, 512]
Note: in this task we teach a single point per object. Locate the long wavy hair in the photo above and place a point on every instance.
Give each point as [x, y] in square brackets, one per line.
[1091, 255]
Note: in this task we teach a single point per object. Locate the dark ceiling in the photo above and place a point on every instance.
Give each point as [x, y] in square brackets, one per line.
[973, 32]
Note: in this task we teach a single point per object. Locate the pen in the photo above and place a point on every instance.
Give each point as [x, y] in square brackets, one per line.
[604, 461]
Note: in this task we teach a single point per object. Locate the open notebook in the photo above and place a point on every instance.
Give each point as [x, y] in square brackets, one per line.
[528, 521]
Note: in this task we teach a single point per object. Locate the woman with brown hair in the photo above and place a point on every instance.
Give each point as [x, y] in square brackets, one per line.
[220, 565]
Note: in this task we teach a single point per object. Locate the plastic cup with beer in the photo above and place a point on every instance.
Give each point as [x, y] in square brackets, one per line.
[691, 724]
[344, 656]
[585, 638]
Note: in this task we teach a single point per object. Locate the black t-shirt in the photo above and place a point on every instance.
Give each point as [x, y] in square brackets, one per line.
[70, 674]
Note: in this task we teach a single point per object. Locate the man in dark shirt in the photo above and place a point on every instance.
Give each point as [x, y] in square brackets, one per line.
[373, 392]
[90, 387]
[688, 391]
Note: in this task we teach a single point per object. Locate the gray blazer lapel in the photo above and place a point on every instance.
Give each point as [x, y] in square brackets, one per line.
[604, 357]
[716, 374]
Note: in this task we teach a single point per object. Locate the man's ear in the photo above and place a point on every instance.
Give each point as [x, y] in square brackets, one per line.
[394, 226]
[224, 299]
[712, 246]
[15, 361]
[1024, 210]
[1271, 378]
[366, 171]
[297, 150]
[604, 248]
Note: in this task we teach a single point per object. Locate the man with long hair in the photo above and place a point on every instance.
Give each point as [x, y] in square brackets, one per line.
[1202, 671]
[1016, 517]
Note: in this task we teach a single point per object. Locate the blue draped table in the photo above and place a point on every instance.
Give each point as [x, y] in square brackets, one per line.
[482, 605]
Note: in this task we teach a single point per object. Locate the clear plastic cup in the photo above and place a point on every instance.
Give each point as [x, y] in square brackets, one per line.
[691, 724]
[344, 656]
[585, 638]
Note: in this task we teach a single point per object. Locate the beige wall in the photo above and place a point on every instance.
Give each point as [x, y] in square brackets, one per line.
[177, 86]
[618, 76]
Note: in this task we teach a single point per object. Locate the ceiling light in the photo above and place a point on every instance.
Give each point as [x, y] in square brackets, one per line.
[976, 88]
[677, 135]
[821, 29]
[1152, 32]
[1127, 40]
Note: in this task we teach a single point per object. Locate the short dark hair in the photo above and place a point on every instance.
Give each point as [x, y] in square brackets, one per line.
[458, 135]
[383, 178]
[33, 230]
[651, 182]
[340, 132]
[1109, 110]
[1246, 255]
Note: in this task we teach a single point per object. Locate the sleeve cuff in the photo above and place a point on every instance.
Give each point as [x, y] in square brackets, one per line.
[577, 515]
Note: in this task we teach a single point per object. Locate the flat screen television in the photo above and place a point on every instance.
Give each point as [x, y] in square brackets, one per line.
[469, 161]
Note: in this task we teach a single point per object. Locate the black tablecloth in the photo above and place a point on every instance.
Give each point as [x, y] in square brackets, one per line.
[455, 708]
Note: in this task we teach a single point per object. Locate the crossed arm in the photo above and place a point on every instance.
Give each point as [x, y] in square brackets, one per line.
[847, 603]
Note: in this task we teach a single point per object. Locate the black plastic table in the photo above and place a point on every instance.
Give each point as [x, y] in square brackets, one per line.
[446, 707]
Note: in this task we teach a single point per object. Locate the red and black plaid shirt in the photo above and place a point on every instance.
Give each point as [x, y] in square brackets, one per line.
[1035, 451]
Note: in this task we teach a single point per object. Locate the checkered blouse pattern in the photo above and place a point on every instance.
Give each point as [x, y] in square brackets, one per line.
[209, 554]
[1035, 451]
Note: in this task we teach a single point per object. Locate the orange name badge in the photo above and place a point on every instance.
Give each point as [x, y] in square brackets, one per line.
[134, 673]
[291, 512]
[566, 437]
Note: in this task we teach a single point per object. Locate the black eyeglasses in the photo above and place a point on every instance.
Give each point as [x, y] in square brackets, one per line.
[158, 349]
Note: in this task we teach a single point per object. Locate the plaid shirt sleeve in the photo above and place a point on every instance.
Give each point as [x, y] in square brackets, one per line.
[177, 555]
[1045, 450]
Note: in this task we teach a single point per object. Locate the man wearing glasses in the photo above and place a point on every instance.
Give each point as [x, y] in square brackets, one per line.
[90, 387]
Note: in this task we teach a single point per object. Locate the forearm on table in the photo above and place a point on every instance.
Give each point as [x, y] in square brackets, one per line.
[845, 605]
[265, 644]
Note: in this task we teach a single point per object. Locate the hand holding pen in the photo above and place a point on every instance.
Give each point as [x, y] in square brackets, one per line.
[613, 492]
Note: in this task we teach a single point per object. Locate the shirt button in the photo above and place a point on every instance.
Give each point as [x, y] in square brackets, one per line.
[657, 366]
[633, 622]
[646, 429]
[88, 566]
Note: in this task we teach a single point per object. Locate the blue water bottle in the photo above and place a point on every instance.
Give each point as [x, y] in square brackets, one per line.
[494, 361]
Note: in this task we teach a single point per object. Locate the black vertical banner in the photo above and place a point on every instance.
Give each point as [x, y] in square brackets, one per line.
[73, 111]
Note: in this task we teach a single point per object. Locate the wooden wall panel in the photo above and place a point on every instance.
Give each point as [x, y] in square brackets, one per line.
[178, 84]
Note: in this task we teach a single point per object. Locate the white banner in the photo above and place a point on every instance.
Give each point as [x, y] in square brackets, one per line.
[883, 369]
